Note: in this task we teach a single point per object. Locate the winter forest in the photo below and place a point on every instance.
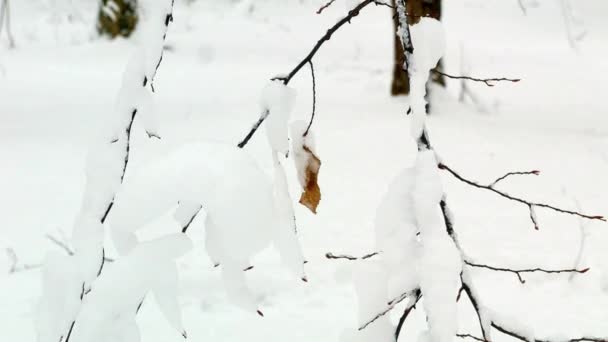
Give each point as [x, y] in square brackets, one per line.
[303, 170]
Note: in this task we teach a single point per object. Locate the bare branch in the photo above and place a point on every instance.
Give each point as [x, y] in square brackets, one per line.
[518, 272]
[533, 172]
[471, 337]
[322, 8]
[487, 81]
[350, 257]
[531, 205]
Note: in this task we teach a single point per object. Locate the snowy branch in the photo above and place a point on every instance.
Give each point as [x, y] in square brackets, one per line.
[521, 336]
[531, 205]
[308, 59]
[406, 312]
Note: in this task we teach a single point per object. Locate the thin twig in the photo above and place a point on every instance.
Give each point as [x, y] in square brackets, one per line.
[391, 305]
[522, 6]
[533, 172]
[350, 257]
[487, 81]
[531, 205]
[406, 312]
[471, 337]
[322, 8]
[187, 225]
[314, 97]
[63, 245]
[14, 263]
[518, 272]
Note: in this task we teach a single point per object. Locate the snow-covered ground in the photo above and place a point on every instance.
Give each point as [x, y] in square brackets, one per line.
[58, 86]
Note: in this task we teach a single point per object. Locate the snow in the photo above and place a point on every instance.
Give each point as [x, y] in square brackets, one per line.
[115, 296]
[285, 234]
[57, 92]
[278, 99]
[60, 301]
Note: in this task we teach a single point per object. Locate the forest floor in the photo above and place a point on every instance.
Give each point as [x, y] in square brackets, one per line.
[57, 86]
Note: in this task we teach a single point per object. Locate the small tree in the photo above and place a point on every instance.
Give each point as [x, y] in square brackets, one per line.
[117, 17]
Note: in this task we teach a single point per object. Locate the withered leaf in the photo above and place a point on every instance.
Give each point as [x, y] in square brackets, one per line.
[311, 194]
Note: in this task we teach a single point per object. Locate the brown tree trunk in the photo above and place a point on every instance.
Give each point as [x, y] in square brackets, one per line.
[415, 9]
[117, 17]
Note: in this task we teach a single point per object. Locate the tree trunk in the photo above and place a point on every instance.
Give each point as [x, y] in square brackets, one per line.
[117, 17]
[415, 9]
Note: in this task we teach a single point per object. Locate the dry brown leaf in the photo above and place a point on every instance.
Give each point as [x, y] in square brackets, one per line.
[311, 196]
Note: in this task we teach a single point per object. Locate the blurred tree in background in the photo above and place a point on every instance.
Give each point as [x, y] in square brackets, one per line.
[416, 9]
[117, 17]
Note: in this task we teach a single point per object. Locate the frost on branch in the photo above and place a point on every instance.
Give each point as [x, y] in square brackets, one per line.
[307, 164]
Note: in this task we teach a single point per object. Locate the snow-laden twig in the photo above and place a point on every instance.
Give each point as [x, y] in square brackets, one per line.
[530, 204]
[519, 272]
